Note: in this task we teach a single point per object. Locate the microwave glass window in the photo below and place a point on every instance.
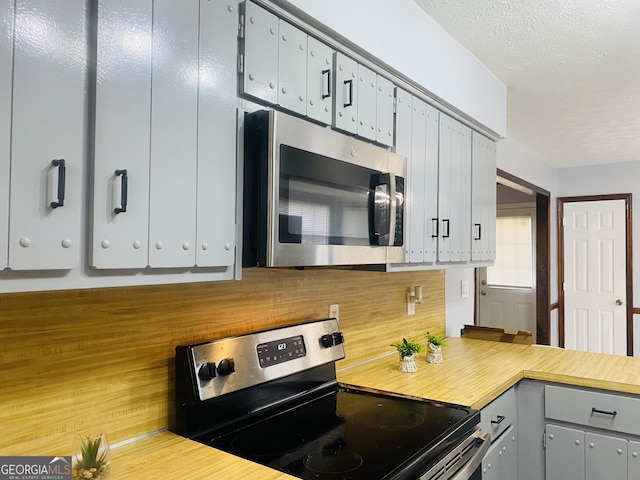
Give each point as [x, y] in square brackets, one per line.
[323, 201]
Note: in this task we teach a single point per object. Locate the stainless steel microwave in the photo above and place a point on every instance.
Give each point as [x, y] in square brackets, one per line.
[316, 197]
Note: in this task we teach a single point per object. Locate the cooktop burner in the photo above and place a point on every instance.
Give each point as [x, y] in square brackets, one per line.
[345, 434]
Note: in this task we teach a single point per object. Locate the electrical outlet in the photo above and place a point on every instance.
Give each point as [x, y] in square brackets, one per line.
[411, 306]
[464, 288]
[334, 311]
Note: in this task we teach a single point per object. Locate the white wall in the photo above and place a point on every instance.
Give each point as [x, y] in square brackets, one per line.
[608, 179]
[403, 36]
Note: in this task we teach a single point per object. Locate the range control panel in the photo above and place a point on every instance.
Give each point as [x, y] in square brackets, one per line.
[230, 364]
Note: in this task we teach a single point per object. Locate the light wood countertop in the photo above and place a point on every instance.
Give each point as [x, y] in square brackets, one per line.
[473, 373]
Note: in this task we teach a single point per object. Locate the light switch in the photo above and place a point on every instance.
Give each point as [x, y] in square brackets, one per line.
[464, 288]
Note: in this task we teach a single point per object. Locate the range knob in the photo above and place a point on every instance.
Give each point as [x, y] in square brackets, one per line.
[226, 366]
[207, 371]
[326, 340]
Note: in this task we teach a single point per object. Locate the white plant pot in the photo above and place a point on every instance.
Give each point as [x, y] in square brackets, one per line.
[408, 364]
[434, 353]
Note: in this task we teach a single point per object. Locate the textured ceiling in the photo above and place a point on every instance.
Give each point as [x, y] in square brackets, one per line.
[571, 67]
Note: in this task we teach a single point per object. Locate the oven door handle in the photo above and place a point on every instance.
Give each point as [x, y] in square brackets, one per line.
[474, 462]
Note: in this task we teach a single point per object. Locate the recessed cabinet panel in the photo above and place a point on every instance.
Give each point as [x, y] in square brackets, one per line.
[6, 68]
[384, 111]
[216, 134]
[122, 129]
[292, 68]
[564, 453]
[461, 179]
[260, 74]
[48, 125]
[174, 113]
[367, 96]
[319, 81]
[345, 107]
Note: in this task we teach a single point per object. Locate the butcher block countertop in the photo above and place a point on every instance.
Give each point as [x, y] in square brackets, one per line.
[473, 373]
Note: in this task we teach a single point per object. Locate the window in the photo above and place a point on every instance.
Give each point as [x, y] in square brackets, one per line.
[513, 266]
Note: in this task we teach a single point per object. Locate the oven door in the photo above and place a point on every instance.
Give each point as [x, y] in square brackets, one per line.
[327, 199]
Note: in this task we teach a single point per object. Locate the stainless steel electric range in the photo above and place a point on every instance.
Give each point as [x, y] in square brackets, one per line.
[272, 397]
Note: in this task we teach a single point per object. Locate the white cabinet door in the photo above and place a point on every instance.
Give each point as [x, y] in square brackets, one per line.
[48, 125]
[483, 202]
[501, 461]
[6, 69]
[345, 108]
[606, 457]
[122, 129]
[564, 453]
[292, 68]
[460, 226]
[217, 105]
[367, 96]
[319, 81]
[633, 461]
[260, 72]
[174, 110]
[384, 111]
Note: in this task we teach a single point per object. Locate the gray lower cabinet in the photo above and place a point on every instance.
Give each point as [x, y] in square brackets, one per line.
[499, 418]
[573, 454]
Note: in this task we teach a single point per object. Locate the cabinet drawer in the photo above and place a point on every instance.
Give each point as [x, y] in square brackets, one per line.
[599, 410]
[496, 417]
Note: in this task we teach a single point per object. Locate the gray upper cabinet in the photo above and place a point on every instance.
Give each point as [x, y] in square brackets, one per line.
[48, 132]
[483, 201]
[345, 107]
[366, 103]
[259, 75]
[164, 136]
[454, 191]
[292, 68]
[319, 81]
[384, 110]
[6, 71]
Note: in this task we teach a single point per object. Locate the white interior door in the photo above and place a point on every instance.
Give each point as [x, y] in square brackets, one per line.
[507, 293]
[595, 288]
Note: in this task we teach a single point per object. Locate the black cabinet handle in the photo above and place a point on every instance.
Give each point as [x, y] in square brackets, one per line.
[124, 191]
[350, 82]
[62, 173]
[327, 72]
[434, 227]
[479, 230]
[499, 419]
[604, 412]
[445, 222]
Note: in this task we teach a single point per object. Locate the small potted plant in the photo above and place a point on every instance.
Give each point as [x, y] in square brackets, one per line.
[435, 343]
[92, 457]
[408, 348]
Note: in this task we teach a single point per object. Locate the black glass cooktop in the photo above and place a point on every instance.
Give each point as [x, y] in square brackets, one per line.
[349, 434]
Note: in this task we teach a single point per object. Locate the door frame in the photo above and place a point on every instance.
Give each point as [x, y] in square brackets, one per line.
[629, 260]
[543, 248]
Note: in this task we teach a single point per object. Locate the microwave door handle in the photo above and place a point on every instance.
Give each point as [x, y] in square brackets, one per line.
[381, 210]
[393, 206]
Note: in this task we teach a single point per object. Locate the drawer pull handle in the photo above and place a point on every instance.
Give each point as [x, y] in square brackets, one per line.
[499, 419]
[603, 412]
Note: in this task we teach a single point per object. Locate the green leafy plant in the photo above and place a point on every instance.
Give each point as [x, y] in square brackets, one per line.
[408, 347]
[91, 457]
[435, 339]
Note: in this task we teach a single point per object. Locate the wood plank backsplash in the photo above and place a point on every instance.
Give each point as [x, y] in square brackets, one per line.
[103, 358]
